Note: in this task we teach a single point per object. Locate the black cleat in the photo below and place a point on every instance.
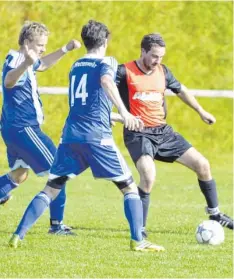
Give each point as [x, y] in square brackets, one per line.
[223, 219]
[61, 230]
[5, 199]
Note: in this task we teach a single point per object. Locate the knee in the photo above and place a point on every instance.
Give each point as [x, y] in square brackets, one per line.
[58, 182]
[127, 186]
[19, 175]
[55, 187]
[203, 167]
[147, 182]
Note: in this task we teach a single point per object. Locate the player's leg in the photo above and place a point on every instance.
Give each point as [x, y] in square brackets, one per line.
[142, 151]
[147, 171]
[36, 208]
[30, 147]
[175, 148]
[200, 165]
[64, 167]
[10, 181]
[107, 162]
[19, 169]
[133, 212]
[41, 157]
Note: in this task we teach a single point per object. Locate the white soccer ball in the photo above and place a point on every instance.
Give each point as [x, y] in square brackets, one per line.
[210, 232]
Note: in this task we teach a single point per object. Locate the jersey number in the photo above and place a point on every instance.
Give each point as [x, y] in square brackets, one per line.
[81, 91]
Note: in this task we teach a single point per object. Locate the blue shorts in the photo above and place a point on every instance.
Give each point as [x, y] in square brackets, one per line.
[104, 159]
[29, 147]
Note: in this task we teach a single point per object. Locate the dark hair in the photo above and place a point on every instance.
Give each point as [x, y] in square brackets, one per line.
[150, 40]
[94, 34]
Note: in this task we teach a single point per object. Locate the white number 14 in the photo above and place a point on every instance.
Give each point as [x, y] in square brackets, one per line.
[81, 91]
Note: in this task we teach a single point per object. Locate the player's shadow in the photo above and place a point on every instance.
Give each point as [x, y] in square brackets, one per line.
[112, 230]
[161, 231]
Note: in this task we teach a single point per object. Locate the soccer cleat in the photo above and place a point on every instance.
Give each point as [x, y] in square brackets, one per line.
[223, 219]
[5, 199]
[61, 230]
[14, 241]
[145, 246]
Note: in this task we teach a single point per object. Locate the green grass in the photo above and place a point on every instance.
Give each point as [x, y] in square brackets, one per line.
[101, 249]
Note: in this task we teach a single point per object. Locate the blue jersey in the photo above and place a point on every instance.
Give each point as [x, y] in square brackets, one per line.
[22, 106]
[90, 108]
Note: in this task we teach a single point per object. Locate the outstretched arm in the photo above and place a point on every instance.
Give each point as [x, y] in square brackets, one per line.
[190, 100]
[52, 58]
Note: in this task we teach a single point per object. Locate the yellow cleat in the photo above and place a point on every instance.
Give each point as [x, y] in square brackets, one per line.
[145, 246]
[14, 241]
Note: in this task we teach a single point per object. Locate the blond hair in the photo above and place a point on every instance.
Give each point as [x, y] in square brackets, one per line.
[31, 29]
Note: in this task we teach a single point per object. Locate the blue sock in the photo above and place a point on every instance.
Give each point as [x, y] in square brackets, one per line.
[57, 208]
[6, 185]
[35, 209]
[134, 215]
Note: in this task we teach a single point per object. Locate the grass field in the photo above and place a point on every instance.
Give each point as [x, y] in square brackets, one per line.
[101, 248]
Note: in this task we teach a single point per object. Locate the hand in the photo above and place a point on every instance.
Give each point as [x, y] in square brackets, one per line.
[30, 55]
[207, 117]
[131, 122]
[73, 44]
[113, 123]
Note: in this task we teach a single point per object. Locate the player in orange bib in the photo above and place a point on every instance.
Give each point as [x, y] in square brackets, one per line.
[142, 84]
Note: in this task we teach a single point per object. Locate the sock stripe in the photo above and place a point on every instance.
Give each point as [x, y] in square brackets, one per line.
[44, 197]
[12, 181]
[131, 196]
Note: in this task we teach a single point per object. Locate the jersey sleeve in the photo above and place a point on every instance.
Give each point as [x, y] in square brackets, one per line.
[109, 66]
[121, 82]
[36, 65]
[121, 75]
[171, 82]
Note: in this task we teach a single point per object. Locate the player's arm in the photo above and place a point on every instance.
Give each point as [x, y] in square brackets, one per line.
[52, 58]
[116, 117]
[13, 75]
[130, 121]
[190, 100]
[182, 92]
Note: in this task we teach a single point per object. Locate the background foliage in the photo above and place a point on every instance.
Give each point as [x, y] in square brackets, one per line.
[198, 34]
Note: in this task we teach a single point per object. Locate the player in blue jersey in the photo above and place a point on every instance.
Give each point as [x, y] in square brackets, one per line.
[22, 115]
[87, 137]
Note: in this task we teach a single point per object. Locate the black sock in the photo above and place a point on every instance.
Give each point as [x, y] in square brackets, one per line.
[145, 198]
[208, 189]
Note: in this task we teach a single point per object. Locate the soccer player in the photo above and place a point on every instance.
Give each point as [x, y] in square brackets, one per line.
[87, 137]
[27, 146]
[142, 84]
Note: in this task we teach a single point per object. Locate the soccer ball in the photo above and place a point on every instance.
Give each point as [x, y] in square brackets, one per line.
[210, 232]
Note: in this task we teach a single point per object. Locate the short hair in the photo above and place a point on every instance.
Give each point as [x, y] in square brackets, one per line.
[94, 34]
[151, 40]
[30, 30]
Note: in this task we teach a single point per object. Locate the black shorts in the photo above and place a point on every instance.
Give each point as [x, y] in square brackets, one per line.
[161, 143]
